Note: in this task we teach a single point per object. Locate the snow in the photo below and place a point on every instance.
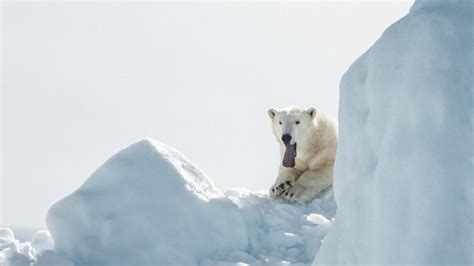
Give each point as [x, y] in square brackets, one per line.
[27, 250]
[318, 219]
[149, 205]
[16, 253]
[7, 238]
[280, 231]
[403, 177]
[41, 241]
[49, 258]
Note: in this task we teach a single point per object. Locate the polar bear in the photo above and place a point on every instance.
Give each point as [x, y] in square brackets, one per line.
[308, 143]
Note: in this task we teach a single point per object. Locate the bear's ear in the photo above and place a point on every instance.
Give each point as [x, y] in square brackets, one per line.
[311, 112]
[271, 113]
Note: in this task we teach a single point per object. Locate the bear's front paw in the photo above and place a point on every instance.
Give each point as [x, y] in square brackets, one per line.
[278, 188]
[297, 193]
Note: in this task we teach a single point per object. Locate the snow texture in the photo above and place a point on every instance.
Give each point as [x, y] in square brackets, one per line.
[7, 238]
[280, 232]
[403, 177]
[41, 241]
[148, 205]
[36, 253]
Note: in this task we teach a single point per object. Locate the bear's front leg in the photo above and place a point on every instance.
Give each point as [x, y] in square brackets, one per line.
[310, 184]
[286, 179]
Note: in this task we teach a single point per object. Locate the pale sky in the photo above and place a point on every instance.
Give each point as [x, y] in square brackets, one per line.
[81, 81]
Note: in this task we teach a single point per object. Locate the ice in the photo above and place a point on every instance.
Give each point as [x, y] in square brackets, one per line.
[149, 205]
[283, 239]
[10, 251]
[26, 250]
[13, 258]
[240, 257]
[403, 177]
[16, 253]
[318, 219]
[49, 258]
[279, 231]
[7, 238]
[284, 235]
[41, 241]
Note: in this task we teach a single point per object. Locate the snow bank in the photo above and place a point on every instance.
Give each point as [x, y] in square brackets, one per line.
[14, 253]
[280, 232]
[41, 241]
[403, 177]
[7, 238]
[147, 205]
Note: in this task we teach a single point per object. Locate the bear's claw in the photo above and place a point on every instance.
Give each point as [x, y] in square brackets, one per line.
[280, 187]
[296, 193]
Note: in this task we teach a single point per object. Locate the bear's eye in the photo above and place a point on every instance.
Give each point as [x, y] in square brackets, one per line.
[297, 122]
[280, 123]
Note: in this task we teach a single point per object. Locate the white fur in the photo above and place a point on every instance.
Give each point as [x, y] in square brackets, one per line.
[316, 144]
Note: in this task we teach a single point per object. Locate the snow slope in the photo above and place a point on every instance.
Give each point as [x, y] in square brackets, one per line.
[280, 232]
[38, 252]
[148, 205]
[403, 177]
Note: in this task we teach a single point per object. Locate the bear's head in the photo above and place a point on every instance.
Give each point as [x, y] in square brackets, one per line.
[291, 126]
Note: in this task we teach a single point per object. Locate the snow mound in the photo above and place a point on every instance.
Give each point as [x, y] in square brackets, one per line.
[41, 241]
[7, 238]
[403, 177]
[14, 253]
[11, 252]
[147, 205]
[49, 258]
[279, 232]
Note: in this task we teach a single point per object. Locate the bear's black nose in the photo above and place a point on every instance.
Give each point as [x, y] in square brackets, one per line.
[286, 138]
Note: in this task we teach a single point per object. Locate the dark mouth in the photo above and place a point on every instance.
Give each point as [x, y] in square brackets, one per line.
[290, 155]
